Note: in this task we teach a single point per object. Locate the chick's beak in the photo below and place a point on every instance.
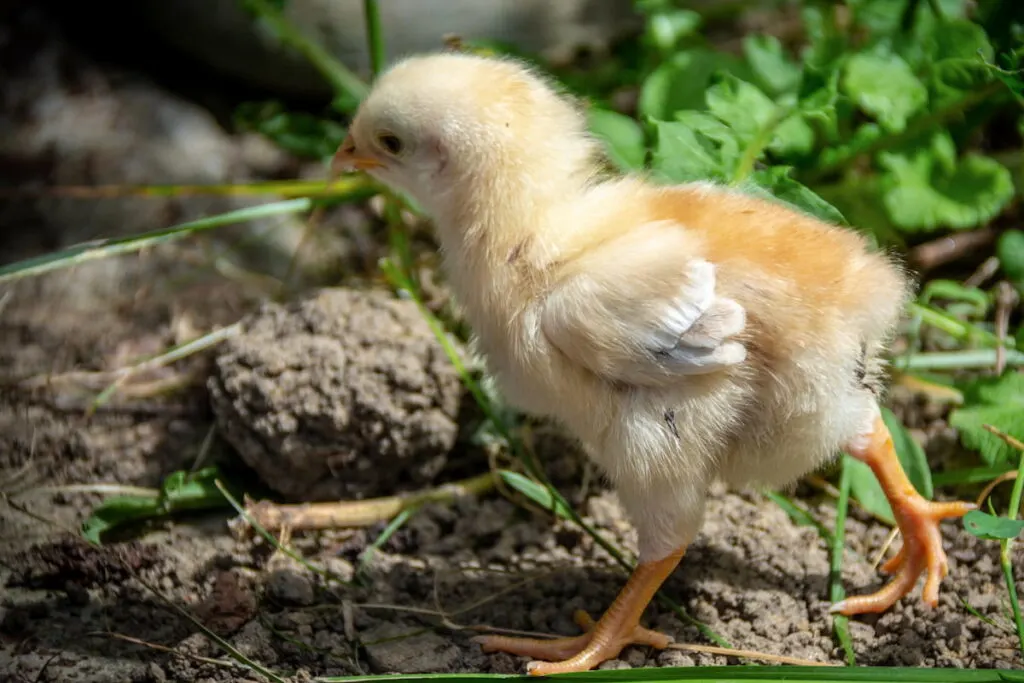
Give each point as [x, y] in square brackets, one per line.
[346, 158]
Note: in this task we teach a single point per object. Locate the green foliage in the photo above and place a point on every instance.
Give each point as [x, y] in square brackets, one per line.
[929, 188]
[885, 87]
[540, 495]
[1010, 250]
[990, 527]
[869, 125]
[181, 491]
[622, 135]
[301, 134]
[106, 248]
[997, 401]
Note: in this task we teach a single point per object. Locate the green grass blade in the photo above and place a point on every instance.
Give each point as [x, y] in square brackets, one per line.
[971, 475]
[1005, 556]
[99, 249]
[801, 516]
[341, 78]
[971, 359]
[353, 187]
[728, 674]
[374, 36]
[840, 623]
[394, 525]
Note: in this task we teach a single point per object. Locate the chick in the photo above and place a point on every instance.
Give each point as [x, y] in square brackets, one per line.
[683, 333]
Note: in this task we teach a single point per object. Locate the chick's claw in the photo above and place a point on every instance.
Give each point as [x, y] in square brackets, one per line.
[921, 553]
[918, 520]
[579, 653]
[619, 627]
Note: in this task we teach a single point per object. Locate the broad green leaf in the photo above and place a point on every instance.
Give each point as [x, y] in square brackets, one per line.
[679, 83]
[958, 38]
[859, 199]
[950, 79]
[773, 71]
[970, 421]
[992, 528]
[885, 17]
[826, 44]
[535, 492]
[793, 137]
[667, 27]
[697, 147]
[998, 401]
[929, 188]
[622, 136]
[777, 183]
[884, 86]
[817, 95]
[741, 106]
[1010, 250]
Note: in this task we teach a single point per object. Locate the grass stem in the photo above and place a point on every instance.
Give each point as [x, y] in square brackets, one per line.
[1006, 553]
[341, 78]
[104, 248]
[840, 623]
[374, 36]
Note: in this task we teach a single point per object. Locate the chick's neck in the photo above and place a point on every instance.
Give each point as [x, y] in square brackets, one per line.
[495, 228]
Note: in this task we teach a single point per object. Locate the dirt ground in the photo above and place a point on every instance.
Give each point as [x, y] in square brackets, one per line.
[67, 610]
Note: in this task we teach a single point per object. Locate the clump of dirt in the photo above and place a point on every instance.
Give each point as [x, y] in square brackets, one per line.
[344, 394]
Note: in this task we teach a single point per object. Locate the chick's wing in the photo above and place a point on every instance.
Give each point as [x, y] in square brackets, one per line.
[641, 308]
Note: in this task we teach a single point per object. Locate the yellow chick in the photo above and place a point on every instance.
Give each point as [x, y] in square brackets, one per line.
[683, 333]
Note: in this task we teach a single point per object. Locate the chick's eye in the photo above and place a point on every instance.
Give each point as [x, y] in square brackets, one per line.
[390, 143]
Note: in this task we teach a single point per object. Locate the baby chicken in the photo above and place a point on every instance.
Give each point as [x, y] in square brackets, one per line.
[682, 333]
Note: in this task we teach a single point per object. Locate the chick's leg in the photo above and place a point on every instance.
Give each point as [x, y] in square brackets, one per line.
[918, 520]
[619, 627]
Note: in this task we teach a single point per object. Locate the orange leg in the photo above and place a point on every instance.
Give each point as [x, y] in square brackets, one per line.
[918, 520]
[619, 627]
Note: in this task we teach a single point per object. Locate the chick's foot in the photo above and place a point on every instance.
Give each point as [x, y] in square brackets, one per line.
[918, 520]
[618, 628]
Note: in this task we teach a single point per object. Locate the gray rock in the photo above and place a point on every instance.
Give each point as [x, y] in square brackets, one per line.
[345, 394]
[390, 650]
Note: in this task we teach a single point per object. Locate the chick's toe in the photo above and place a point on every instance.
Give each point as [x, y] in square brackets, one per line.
[918, 520]
[604, 640]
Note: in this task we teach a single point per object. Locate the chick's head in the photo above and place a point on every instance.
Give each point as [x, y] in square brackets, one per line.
[433, 124]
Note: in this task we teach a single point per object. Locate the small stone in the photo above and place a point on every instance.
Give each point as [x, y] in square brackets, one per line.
[674, 658]
[635, 657]
[389, 652]
[613, 664]
[288, 587]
